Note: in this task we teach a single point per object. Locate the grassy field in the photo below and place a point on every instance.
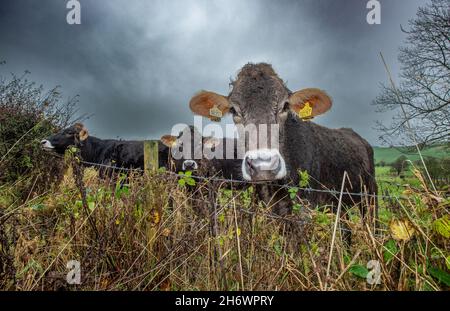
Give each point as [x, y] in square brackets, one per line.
[390, 154]
[155, 233]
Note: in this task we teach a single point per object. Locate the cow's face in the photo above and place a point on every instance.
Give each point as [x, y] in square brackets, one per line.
[186, 139]
[67, 137]
[259, 97]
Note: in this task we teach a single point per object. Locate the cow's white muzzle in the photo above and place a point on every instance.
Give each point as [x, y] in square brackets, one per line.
[189, 165]
[263, 164]
[46, 145]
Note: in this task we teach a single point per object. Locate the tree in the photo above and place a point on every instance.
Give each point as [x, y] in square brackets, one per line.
[438, 168]
[400, 164]
[424, 88]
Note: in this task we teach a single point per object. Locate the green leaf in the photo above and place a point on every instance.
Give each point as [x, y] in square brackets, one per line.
[296, 207]
[359, 271]
[347, 259]
[440, 275]
[126, 191]
[304, 178]
[322, 219]
[442, 226]
[38, 207]
[390, 250]
[447, 262]
[190, 181]
[181, 182]
[73, 149]
[188, 174]
[277, 247]
[293, 192]
[91, 205]
[385, 215]
[222, 218]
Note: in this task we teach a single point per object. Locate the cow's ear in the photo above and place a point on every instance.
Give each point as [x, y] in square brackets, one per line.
[308, 103]
[210, 105]
[169, 140]
[84, 134]
[78, 126]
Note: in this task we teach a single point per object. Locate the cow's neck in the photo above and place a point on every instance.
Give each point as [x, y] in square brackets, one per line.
[297, 144]
[91, 148]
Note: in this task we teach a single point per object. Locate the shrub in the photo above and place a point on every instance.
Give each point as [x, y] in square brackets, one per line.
[400, 164]
[29, 113]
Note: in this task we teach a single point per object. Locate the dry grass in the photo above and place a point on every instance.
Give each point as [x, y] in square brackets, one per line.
[153, 234]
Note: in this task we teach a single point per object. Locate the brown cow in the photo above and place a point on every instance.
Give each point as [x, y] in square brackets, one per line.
[259, 96]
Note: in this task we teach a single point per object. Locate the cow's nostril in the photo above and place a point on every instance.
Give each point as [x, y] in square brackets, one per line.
[275, 161]
[249, 163]
[189, 165]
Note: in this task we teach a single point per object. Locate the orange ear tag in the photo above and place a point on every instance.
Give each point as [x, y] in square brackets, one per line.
[306, 112]
[215, 114]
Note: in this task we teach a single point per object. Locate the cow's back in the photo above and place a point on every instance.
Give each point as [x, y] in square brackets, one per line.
[129, 154]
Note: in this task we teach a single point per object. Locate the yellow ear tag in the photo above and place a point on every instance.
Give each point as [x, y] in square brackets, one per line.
[306, 112]
[215, 114]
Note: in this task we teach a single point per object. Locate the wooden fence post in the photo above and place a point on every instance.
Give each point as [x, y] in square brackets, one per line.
[151, 160]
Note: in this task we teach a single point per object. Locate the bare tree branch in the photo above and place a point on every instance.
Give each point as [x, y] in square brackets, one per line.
[424, 88]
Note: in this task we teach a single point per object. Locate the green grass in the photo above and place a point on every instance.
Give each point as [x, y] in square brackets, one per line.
[391, 184]
[390, 154]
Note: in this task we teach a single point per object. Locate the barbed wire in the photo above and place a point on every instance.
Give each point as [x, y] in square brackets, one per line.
[237, 181]
[293, 220]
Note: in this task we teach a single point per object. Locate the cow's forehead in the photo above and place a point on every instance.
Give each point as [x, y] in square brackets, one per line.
[270, 89]
[70, 129]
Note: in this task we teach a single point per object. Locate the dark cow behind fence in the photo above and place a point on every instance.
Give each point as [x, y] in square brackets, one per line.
[189, 150]
[110, 152]
[259, 96]
[196, 160]
[130, 154]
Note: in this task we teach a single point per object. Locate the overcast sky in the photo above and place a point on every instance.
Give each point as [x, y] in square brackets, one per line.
[136, 63]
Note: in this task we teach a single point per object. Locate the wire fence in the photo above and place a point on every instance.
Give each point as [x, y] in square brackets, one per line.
[238, 181]
[293, 220]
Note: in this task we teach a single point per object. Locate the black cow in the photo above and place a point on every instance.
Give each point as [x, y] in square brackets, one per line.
[196, 159]
[191, 151]
[130, 154]
[119, 153]
[259, 96]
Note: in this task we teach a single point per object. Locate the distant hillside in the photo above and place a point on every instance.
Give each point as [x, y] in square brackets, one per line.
[390, 154]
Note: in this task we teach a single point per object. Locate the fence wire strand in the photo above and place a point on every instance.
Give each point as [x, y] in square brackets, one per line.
[237, 181]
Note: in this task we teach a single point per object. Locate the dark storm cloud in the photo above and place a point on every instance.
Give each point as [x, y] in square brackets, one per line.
[135, 64]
